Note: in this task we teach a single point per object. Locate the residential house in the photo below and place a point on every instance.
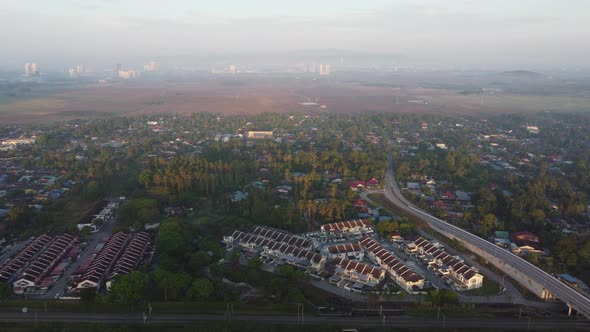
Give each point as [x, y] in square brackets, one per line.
[400, 273]
[353, 227]
[350, 251]
[463, 276]
[358, 272]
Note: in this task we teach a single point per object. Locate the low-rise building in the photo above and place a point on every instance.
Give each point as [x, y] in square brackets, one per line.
[18, 141]
[357, 227]
[358, 272]
[34, 274]
[284, 237]
[256, 134]
[351, 251]
[96, 269]
[15, 265]
[279, 250]
[400, 273]
[463, 276]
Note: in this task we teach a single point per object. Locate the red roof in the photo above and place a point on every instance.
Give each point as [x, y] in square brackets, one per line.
[448, 194]
[356, 183]
[525, 236]
[373, 181]
[440, 204]
[360, 202]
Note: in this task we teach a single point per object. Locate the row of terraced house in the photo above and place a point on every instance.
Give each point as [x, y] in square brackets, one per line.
[269, 242]
[118, 254]
[462, 276]
[400, 272]
[36, 267]
[343, 261]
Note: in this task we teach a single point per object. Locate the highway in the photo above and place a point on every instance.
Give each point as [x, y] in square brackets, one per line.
[568, 295]
[346, 322]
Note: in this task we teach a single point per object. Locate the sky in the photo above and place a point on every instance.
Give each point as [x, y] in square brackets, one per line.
[444, 32]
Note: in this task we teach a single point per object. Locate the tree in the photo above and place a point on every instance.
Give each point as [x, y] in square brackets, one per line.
[201, 289]
[295, 295]
[441, 297]
[255, 263]
[406, 229]
[566, 248]
[169, 239]
[386, 227]
[488, 223]
[129, 288]
[538, 216]
[584, 253]
[5, 291]
[141, 210]
[91, 191]
[19, 214]
[145, 177]
[88, 294]
[532, 257]
[172, 283]
[198, 260]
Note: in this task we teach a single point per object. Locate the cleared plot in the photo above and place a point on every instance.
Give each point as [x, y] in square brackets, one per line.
[264, 95]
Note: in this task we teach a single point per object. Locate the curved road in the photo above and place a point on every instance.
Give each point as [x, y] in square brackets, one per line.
[568, 295]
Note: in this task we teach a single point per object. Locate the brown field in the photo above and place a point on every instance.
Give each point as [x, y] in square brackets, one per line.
[263, 95]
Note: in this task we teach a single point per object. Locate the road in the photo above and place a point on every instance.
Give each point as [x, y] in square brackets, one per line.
[568, 295]
[13, 250]
[94, 239]
[347, 321]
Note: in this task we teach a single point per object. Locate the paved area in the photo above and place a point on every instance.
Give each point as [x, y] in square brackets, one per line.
[511, 295]
[60, 285]
[344, 321]
[358, 297]
[13, 250]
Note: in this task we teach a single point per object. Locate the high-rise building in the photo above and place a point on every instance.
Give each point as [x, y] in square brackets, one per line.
[312, 69]
[35, 69]
[128, 74]
[76, 71]
[31, 69]
[151, 66]
[324, 69]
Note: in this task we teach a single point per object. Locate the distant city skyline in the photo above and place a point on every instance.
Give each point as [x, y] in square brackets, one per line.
[438, 33]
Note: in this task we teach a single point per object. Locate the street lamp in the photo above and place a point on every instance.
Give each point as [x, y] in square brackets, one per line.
[300, 314]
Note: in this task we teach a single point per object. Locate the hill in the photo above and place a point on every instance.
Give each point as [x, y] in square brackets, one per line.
[522, 74]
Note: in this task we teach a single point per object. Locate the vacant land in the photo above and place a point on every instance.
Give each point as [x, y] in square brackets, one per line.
[264, 94]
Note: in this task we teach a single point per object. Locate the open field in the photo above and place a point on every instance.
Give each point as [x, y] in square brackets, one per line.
[264, 94]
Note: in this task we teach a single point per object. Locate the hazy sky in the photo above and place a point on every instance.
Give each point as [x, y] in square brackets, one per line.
[486, 33]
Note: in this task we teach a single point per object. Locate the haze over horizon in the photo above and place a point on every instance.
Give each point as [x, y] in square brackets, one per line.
[499, 34]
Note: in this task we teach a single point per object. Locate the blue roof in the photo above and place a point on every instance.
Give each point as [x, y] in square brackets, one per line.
[567, 278]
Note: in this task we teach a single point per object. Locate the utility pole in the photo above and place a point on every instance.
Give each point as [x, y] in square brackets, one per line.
[229, 309]
[529, 326]
[300, 314]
